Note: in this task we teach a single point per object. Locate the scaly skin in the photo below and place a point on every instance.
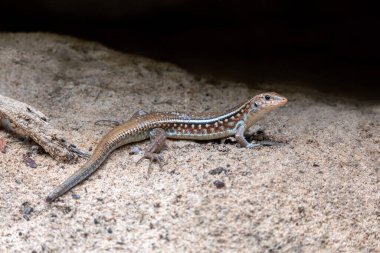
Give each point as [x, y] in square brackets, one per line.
[206, 126]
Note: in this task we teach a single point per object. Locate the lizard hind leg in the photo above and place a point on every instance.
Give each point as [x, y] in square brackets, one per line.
[157, 137]
[138, 114]
[114, 123]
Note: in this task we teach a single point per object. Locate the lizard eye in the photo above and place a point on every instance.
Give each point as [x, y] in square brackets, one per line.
[267, 97]
[255, 104]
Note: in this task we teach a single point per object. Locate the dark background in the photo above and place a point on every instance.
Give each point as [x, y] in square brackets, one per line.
[330, 45]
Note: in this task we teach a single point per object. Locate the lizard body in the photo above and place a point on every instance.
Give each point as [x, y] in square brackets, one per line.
[175, 125]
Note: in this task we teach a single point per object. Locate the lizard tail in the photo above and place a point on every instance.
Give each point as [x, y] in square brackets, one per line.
[84, 172]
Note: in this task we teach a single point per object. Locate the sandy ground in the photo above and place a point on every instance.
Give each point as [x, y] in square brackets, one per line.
[316, 192]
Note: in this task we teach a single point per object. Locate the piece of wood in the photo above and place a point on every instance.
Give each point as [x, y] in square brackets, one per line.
[27, 121]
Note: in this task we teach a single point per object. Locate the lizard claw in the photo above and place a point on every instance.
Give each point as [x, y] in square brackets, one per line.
[253, 145]
[152, 157]
[269, 143]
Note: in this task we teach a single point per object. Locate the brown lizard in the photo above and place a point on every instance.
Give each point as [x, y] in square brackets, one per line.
[176, 125]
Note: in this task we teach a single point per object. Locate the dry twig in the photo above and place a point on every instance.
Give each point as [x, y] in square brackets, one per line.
[27, 120]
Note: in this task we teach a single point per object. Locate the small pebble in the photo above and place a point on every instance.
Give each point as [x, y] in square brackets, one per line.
[75, 196]
[219, 184]
[135, 150]
[218, 171]
[3, 145]
[29, 161]
[28, 210]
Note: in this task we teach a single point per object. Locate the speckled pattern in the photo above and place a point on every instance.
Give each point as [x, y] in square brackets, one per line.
[318, 191]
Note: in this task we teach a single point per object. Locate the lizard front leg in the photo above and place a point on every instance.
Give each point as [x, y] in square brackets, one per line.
[242, 140]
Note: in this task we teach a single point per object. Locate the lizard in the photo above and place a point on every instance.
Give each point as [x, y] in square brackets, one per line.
[158, 126]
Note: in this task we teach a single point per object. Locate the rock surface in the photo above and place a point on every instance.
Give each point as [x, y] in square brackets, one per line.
[318, 191]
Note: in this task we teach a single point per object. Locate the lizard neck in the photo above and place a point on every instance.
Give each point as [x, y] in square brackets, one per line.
[255, 115]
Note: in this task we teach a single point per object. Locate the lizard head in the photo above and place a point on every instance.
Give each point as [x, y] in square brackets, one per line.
[262, 104]
[267, 101]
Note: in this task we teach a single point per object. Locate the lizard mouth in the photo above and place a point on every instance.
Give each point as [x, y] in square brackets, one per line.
[283, 101]
[280, 101]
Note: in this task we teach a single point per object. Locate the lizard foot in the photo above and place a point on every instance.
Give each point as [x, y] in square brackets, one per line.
[153, 158]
